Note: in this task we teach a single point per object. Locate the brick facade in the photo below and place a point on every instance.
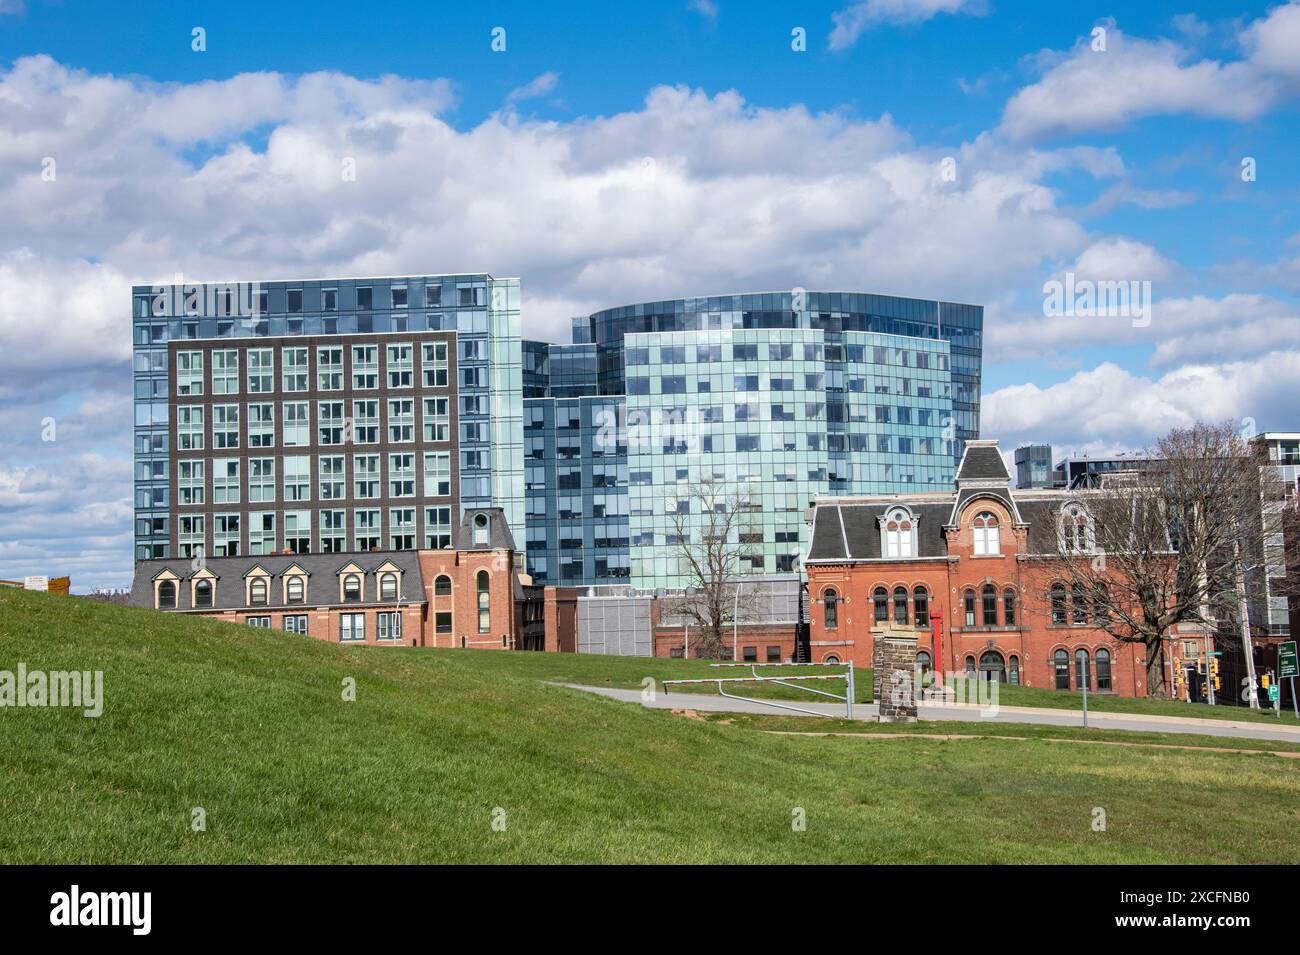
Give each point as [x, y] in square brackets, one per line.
[983, 607]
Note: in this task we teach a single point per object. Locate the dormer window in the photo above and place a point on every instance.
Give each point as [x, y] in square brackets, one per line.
[257, 591]
[897, 534]
[480, 529]
[352, 589]
[295, 590]
[987, 534]
[388, 587]
[203, 593]
[167, 595]
[1076, 532]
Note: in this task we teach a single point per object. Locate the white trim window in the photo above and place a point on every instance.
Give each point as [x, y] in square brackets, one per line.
[400, 364]
[295, 373]
[899, 534]
[225, 481]
[297, 424]
[365, 366]
[261, 480]
[352, 628]
[987, 534]
[190, 482]
[329, 368]
[189, 373]
[388, 626]
[261, 371]
[189, 428]
[433, 364]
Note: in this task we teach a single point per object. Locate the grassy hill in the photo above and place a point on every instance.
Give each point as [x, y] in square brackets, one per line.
[251, 726]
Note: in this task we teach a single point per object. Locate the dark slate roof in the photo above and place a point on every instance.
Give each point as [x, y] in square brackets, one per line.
[1041, 517]
[322, 582]
[982, 462]
[498, 530]
[851, 531]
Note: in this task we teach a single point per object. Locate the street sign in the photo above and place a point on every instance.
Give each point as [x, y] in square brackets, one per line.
[1286, 660]
[1272, 693]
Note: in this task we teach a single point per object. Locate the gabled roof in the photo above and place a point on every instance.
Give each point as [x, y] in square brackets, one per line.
[321, 570]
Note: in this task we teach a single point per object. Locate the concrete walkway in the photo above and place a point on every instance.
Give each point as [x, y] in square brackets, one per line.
[1136, 722]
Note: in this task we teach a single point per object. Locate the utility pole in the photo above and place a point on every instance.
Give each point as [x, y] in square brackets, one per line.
[1243, 611]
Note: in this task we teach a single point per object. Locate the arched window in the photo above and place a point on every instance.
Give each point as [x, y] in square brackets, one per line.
[294, 590]
[898, 534]
[442, 586]
[923, 662]
[880, 604]
[900, 606]
[968, 603]
[167, 595]
[1058, 603]
[830, 658]
[1013, 672]
[1009, 607]
[970, 666]
[257, 590]
[351, 588]
[1078, 604]
[387, 586]
[992, 667]
[1061, 663]
[1082, 670]
[1074, 530]
[484, 603]
[987, 537]
[989, 599]
[1103, 669]
[831, 609]
[203, 593]
[921, 606]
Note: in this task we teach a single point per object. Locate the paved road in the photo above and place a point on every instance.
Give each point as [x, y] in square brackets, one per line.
[968, 713]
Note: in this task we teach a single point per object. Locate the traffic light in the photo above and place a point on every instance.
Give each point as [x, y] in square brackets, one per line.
[1263, 681]
[1217, 684]
[1214, 668]
[1205, 690]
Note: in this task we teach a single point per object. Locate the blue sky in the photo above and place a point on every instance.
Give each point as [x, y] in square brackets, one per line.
[627, 152]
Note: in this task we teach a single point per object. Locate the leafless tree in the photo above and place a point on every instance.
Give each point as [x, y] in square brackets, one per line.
[1178, 540]
[710, 522]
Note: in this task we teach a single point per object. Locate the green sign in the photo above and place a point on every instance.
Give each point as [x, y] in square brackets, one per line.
[1272, 693]
[1286, 660]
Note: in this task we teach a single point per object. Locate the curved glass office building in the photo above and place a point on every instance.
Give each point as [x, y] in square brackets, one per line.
[786, 395]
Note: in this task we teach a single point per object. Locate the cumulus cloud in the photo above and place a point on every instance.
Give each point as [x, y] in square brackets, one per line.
[855, 19]
[1108, 408]
[1088, 90]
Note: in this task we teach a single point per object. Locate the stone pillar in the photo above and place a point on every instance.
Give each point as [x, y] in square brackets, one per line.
[894, 659]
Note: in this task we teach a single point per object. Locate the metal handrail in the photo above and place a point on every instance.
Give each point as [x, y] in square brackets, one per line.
[847, 677]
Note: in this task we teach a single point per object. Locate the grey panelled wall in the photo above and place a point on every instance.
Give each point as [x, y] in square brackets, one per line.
[615, 626]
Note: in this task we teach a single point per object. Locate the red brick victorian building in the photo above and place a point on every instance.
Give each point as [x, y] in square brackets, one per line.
[974, 572]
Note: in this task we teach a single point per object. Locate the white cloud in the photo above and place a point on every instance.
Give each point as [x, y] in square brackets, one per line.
[855, 19]
[1108, 407]
[538, 86]
[707, 9]
[1087, 90]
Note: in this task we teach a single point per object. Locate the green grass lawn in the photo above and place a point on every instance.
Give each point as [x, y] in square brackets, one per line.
[251, 726]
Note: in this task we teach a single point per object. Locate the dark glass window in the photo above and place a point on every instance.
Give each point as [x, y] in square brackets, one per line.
[989, 599]
[880, 601]
[832, 611]
[442, 586]
[900, 605]
[1058, 604]
[167, 595]
[1061, 663]
[1103, 669]
[203, 593]
[921, 606]
[1009, 607]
